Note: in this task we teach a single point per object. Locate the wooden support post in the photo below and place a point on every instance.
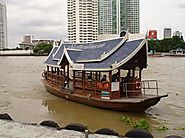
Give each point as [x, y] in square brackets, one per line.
[64, 72]
[133, 73]
[140, 74]
[47, 72]
[52, 70]
[110, 81]
[99, 76]
[83, 80]
[52, 73]
[73, 80]
[57, 71]
[119, 82]
[61, 70]
[96, 81]
[68, 76]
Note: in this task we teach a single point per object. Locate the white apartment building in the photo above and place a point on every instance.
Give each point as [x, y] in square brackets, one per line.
[82, 20]
[3, 26]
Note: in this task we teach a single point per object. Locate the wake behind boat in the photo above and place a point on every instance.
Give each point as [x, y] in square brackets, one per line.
[104, 74]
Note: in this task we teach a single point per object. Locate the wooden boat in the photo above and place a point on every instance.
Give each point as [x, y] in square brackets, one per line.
[75, 71]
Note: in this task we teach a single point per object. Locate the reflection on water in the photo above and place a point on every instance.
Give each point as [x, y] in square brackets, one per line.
[91, 116]
[24, 97]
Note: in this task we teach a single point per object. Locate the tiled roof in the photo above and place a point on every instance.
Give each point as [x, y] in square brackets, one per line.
[91, 51]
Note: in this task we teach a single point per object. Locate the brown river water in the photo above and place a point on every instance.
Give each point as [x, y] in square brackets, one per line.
[24, 97]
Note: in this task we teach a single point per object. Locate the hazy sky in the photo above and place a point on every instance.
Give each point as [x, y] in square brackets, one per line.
[48, 18]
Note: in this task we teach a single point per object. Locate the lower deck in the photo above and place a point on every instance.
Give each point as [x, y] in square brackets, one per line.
[91, 94]
[126, 104]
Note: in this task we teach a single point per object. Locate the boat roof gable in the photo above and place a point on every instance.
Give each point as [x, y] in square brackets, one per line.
[49, 59]
[117, 59]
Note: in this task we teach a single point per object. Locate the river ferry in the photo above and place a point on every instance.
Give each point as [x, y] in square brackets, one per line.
[95, 74]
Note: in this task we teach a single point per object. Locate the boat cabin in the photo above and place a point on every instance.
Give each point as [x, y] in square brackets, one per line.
[108, 69]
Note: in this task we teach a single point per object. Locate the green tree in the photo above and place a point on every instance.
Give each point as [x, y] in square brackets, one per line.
[42, 48]
[165, 45]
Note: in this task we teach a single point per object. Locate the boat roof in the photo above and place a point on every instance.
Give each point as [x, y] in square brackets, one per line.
[98, 56]
[49, 60]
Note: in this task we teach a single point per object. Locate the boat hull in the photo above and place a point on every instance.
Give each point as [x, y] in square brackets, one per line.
[125, 106]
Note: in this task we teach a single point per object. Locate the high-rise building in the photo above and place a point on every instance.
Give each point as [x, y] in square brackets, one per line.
[82, 20]
[105, 17]
[167, 33]
[3, 26]
[116, 16]
[132, 10]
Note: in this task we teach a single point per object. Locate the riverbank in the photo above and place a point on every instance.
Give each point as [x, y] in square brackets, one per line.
[20, 53]
[166, 55]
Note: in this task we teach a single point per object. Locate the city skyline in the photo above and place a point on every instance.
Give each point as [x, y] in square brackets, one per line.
[49, 19]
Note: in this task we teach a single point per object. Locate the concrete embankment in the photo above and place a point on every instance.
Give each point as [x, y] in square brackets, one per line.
[51, 129]
[9, 129]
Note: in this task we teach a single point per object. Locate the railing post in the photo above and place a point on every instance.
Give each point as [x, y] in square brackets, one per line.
[141, 90]
[144, 88]
[86, 133]
[125, 90]
[157, 88]
[148, 84]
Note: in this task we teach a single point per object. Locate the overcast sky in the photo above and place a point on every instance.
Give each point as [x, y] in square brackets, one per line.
[48, 18]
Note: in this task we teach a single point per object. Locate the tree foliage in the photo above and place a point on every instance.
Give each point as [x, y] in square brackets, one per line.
[42, 48]
[165, 45]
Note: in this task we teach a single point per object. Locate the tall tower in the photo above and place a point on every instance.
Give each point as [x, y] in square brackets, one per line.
[167, 33]
[3, 26]
[118, 15]
[105, 16]
[133, 16]
[82, 20]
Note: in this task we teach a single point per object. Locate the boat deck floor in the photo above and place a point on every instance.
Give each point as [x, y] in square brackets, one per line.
[135, 99]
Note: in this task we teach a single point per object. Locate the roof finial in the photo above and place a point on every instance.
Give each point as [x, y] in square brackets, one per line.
[127, 34]
[146, 36]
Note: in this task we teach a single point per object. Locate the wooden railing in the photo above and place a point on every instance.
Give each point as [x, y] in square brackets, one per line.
[54, 78]
[140, 88]
[91, 85]
[95, 89]
[85, 87]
